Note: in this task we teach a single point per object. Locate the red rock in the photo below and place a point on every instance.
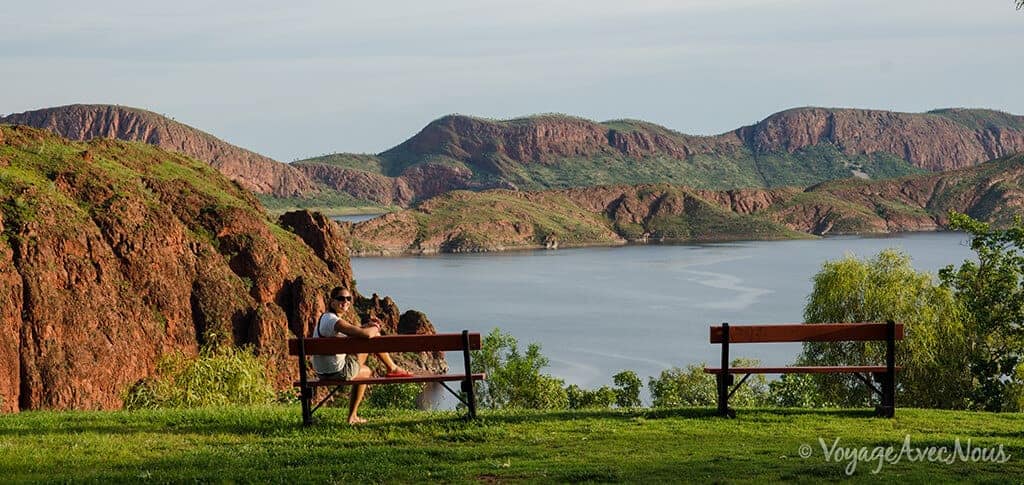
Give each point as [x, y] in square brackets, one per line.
[101, 274]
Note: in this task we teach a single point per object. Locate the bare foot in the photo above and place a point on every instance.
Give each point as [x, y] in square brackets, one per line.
[356, 420]
[398, 372]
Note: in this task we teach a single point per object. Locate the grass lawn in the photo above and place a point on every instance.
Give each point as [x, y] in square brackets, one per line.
[267, 444]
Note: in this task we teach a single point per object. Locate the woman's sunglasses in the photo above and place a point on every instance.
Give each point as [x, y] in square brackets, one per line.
[343, 298]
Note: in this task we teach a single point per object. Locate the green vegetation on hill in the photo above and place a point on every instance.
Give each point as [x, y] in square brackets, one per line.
[354, 161]
[817, 163]
[36, 162]
[978, 119]
[327, 201]
[267, 444]
[495, 220]
[491, 219]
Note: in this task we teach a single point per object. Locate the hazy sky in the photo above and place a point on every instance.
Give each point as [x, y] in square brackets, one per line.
[293, 79]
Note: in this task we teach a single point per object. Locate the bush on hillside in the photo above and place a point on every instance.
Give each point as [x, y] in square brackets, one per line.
[579, 398]
[514, 378]
[394, 396]
[216, 377]
[693, 387]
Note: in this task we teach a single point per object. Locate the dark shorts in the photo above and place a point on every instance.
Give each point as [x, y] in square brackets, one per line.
[347, 373]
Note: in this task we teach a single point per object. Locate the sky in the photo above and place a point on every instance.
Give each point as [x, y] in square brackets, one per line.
[298, 79]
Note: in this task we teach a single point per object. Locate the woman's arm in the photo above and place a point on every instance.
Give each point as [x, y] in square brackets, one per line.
[355, 331]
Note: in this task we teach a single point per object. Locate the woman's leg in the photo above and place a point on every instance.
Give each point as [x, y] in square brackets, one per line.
[358, 391]
[386, 359]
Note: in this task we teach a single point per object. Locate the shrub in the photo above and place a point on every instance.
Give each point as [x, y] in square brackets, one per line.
[394, 396]
[579, 398]
[693, 387]
[514, 379]
[627, 389]
[226, 375]
[796, 391]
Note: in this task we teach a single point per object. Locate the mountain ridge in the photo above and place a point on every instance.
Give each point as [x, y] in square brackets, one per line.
[795, 147]
[799, 146]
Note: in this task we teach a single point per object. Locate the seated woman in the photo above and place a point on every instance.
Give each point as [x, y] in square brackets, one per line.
[346, 367]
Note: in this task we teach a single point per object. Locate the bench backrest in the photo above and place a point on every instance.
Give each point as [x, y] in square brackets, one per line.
[800, 332]
[386, 343]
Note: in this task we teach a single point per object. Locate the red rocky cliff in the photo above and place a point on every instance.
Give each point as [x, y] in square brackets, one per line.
[930, 141]
[114, 254]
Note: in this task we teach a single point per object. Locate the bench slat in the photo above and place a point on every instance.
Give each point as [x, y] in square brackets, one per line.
[393, 380]
[799, 369]
[801, 332]
[385, 343]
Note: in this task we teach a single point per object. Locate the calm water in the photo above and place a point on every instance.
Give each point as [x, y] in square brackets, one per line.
[597, 311]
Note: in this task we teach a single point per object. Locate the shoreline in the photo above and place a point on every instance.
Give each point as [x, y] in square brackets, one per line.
[386, 253]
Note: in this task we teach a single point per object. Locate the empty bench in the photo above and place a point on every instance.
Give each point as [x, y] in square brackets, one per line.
[303, 347]
[888, 332]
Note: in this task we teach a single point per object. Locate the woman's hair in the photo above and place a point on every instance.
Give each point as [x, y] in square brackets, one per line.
[337, 291]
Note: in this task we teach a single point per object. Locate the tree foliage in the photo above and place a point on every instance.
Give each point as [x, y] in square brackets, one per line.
[693, 387]
[627, 389]
[579, 398]
[882, 288]
[992, 293]
[514, 379]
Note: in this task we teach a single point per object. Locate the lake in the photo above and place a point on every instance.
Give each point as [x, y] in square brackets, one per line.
[597, 311]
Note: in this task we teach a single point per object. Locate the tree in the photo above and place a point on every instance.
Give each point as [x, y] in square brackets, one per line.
[992, 293]
[514, 379]
[627, 389]
[887, 287]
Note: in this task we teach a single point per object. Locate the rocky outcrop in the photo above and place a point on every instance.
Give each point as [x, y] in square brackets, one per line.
[548, 139]
[114, 254]
[992, 192]
[251, 170]
[926, 140]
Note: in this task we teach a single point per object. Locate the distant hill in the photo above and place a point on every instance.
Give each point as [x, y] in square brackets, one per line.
[496, 220]
[251, 170]
[797, 147]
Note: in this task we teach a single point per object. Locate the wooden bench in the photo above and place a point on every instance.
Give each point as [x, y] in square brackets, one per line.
[888, 332]
[303, 347]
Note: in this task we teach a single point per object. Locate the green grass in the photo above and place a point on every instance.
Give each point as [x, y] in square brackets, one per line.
[266, 444]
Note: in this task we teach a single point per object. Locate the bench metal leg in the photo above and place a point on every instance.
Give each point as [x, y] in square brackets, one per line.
[724, 381]
[306, 397]
[467, 385]
[888, 407]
